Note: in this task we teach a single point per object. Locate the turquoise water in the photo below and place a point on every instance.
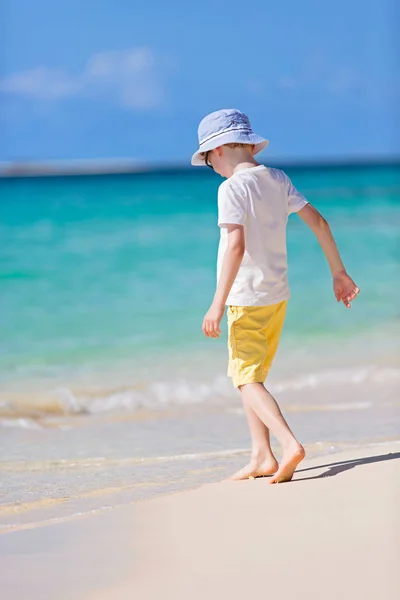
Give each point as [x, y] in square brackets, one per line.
[104, 281]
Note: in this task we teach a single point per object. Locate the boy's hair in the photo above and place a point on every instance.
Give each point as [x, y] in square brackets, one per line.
[232, 145]
[237, 145]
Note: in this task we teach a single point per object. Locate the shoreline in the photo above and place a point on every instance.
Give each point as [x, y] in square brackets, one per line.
[50, 511]
[227, 539]
[57, 466]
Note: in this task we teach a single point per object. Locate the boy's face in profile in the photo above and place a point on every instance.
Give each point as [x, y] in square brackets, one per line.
[215, 160]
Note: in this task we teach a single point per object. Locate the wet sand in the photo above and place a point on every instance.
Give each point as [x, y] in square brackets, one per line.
[331, 533]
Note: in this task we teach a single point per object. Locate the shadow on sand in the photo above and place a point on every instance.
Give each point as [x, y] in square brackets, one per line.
[339, 467]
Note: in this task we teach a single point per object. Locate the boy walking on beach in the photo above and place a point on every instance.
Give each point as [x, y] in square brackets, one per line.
[253, 208]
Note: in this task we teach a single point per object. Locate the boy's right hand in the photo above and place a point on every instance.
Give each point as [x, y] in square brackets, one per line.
[344, 288]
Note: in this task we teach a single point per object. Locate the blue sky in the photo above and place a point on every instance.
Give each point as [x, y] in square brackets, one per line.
[109, 79]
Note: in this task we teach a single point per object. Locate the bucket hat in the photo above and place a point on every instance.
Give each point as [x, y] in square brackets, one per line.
[226, 126]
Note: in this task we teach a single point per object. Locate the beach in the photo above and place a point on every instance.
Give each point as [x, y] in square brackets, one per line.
[333, 532]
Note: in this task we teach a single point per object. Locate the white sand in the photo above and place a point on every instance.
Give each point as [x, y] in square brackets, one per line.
[333, 533]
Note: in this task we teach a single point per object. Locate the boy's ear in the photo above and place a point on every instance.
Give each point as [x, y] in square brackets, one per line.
[219, 150]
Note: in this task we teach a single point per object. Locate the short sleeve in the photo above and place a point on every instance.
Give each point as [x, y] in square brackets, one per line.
[232, 205]
[296, 200]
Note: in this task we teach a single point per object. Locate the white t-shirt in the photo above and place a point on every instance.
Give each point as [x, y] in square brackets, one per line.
[260, 199]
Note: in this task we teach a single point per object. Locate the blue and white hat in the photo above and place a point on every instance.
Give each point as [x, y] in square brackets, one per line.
[225, 126]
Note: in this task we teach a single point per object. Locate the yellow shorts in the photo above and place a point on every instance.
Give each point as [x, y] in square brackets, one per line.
[253, 337]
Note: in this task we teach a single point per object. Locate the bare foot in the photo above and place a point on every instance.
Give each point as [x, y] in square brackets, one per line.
[257, 468]
[290, 460]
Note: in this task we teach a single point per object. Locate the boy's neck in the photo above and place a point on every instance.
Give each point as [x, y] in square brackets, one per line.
[248, 164]
[239, 160]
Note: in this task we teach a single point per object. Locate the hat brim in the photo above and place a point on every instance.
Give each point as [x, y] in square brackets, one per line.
[229, 138]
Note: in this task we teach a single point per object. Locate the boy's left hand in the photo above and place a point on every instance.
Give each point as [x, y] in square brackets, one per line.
[212, 320]
[344, 288]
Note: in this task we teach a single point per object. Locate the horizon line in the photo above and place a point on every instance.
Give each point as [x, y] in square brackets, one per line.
[120, 166]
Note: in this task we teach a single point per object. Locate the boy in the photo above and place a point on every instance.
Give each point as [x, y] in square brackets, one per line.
[253, 207]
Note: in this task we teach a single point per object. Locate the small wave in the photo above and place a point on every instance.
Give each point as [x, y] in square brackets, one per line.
[372, 374]
[27, 413]
[20, 422]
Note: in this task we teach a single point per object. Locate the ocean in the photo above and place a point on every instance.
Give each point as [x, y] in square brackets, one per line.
[107, 382]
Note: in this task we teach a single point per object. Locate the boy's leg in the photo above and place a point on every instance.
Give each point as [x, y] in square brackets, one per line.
[262, 461]
[254, 333]
[267, 410]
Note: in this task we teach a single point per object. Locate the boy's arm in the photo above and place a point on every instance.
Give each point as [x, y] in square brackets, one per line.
[230, 267]
[344, 287]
